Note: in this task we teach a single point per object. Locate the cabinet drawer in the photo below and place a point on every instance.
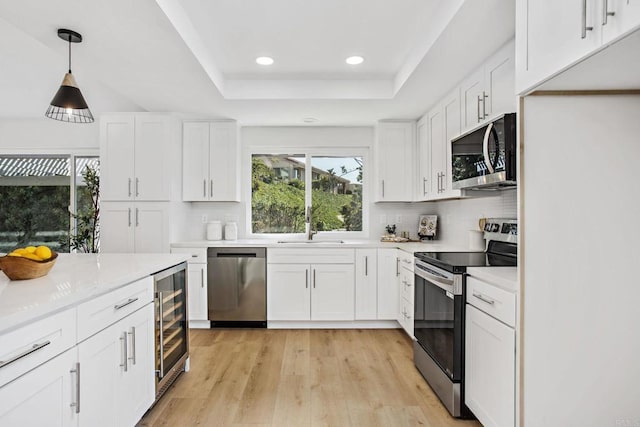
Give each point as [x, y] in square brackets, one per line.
[407, 281]
[406, 317]
[492, 300]
[310, 256]
[29, 346]
[406, 260]
[198, 255]
[99, 313]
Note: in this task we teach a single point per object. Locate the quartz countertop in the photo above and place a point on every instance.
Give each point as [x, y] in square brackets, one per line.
[74, 278]
[411, 247]
[503, 277]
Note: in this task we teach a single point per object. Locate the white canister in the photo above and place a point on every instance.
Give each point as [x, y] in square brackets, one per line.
[214, 230]
[231, 231]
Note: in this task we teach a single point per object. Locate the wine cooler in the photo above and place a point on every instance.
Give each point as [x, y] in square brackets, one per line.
[172, 329]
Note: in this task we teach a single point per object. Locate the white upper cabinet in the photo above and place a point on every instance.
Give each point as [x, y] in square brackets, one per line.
[211, 161]
[135, 157]
[134, 227]
[423, 144]
[490, 90]
[438, 149]
[554, 35]
[394, 152]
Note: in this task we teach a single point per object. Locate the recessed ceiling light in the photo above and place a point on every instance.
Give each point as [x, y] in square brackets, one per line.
[264, 60]
[354, 60]
[309, 120]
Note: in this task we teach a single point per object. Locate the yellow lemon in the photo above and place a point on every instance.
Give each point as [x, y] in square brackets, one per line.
[43, 252]
[15, 254]
[30, 249]
[20, 251]
[32, 256]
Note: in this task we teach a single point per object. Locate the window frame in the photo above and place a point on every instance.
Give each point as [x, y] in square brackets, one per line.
[309, 153]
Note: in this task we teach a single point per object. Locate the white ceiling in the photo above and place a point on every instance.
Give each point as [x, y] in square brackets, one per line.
[197, 56]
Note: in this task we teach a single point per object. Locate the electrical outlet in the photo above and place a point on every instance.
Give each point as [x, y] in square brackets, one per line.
[383, 219]
[398, 219]
[205, 219]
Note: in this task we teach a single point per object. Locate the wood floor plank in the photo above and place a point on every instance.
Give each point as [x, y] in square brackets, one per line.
[301, 378]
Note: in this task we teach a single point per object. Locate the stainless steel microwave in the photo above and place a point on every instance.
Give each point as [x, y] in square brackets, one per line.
[485, 157]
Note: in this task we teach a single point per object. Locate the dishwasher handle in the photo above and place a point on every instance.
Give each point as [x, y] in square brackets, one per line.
[231, 255]
[238, 252]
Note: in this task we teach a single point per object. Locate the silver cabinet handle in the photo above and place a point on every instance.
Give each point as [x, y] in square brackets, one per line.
[27, 352]
[478, 108]
[161, 335]
[124, 304]
[406, 261]
[204, 188]
[584, 20]
[137, 185]
[483, 299]
[137, 217]
[133, 345]
[129, 209]
[366, 265]
[424, 186]
[383, 188]
[605, 12]
[397, 266]
[306, 278]
[76, 404]
[123, 363]
[129, 187]
[484, 105]
[211, 190]
[314, 278]
[202, 275]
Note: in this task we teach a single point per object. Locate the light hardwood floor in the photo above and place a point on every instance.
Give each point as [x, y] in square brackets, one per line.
[269, 377]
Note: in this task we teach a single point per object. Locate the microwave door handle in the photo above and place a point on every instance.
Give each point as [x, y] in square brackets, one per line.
[485, 148]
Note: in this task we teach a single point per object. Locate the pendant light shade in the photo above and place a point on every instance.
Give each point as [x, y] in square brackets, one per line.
[68, 104]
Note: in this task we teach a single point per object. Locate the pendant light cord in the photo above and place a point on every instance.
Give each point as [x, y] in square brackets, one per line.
[69, 55]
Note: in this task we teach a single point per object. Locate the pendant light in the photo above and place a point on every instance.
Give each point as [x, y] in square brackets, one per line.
[68, 104]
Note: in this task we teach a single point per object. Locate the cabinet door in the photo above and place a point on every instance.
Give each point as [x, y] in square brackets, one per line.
[626, 18]
[195, 161]
[452, 122]
[333, 293]
[197, 292]
[405, 317]
[490, 369]
[117, 157]
[288, 292]
[438, 149]
[224, 166]
[366, 297]
[102, 362]
[500, 73]
[394, 154]
[424, 184]
[151, 225]
[554, 37]
[116, 227]
[137, 389]
[152, 165]
[388, 272]
[43, 396]
[472, 98]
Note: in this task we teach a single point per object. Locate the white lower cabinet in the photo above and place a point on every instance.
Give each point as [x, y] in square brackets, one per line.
[117, 382]
[310, 292]
[388, 273]
[489, 369]
[366, 302]
[196, 282]
[43, 396]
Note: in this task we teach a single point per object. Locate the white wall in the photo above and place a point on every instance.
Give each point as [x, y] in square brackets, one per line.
[581, 212]
[44, 135]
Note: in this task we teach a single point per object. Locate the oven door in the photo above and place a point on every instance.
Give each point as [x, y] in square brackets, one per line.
[485, 156]
[438, 317]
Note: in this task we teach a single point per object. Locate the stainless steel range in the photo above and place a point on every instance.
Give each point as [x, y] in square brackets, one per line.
[440, 288]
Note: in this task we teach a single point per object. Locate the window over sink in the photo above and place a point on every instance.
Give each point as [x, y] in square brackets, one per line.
[285, 188]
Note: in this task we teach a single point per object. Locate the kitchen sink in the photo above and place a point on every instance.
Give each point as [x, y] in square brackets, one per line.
[315, 242]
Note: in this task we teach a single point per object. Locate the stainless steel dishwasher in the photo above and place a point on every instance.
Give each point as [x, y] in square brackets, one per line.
[237, 287]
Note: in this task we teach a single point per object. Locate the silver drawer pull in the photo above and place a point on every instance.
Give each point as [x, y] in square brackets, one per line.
[27, 352]
[124, 304]
[133, 345]
[76, 404]
[483, 299]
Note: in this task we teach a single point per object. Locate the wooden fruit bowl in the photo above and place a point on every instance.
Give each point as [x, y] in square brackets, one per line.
[18, 268]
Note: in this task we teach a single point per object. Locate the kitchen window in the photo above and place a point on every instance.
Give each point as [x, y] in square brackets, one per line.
[40, 199]
[283, 186]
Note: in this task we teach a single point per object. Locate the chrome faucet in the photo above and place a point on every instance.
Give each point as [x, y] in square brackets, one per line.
[310, 231]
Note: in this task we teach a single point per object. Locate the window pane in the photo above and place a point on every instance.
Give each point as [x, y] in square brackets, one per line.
[34, 202]
[277, 193]
[86, 238]
[336, 197]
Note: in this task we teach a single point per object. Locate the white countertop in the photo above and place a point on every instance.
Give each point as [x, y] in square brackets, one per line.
[410, 247]
[74, 278]
[504, 277]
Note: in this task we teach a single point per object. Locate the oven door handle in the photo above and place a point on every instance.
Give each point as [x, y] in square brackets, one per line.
[441, 282]
[485, 148]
